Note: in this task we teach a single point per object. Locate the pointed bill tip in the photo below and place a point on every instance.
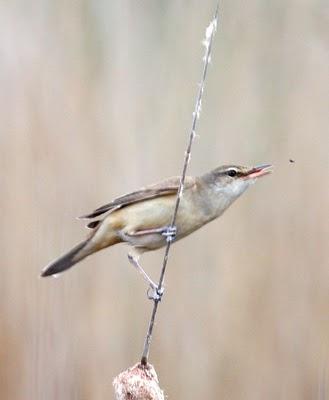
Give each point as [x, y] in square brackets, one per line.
[259, 170]
[263, 166]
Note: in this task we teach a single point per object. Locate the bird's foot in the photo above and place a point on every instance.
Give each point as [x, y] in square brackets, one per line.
[154, 293]
[169, 232]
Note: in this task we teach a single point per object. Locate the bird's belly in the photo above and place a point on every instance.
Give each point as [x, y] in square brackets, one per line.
[154, 214]
[145, 216]
[149, 214]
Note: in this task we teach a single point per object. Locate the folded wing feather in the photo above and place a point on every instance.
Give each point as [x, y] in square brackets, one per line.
[163, 188]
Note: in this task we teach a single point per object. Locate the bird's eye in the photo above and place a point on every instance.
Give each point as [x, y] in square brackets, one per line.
[231, 172]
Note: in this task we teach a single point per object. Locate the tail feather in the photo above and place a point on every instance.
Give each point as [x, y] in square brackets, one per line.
[67, 261]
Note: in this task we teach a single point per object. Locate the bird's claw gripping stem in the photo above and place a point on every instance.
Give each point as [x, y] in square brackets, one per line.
[155, 293]
[169, 232]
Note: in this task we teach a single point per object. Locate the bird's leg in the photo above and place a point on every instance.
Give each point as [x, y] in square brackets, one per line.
[155, 294]
[135, 262]
[169, 232]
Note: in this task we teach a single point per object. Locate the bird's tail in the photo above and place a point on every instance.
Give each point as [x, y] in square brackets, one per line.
[78, 253]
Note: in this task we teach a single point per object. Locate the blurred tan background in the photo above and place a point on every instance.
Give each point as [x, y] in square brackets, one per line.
[96, 99]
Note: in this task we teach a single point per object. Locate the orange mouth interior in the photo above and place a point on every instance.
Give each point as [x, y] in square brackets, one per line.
[259, 171]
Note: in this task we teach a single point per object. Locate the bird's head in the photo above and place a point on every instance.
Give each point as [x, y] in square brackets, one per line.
[233, 180]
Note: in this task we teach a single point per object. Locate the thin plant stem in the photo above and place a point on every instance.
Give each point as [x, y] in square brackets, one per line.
[208, 41]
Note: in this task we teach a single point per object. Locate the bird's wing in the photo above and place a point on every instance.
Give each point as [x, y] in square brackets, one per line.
[163, 188]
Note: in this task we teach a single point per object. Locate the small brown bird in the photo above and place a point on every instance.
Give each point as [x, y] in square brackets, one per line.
[142, 219]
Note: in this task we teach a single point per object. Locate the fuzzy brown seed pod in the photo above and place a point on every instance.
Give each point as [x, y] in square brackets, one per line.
[139, 382]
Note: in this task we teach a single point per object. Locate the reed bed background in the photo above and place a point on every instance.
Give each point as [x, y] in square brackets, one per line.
[96, 100]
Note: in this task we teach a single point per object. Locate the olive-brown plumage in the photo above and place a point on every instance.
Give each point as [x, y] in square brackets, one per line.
[140, 218]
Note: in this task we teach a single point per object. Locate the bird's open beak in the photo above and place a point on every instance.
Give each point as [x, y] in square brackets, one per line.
[258, 171]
